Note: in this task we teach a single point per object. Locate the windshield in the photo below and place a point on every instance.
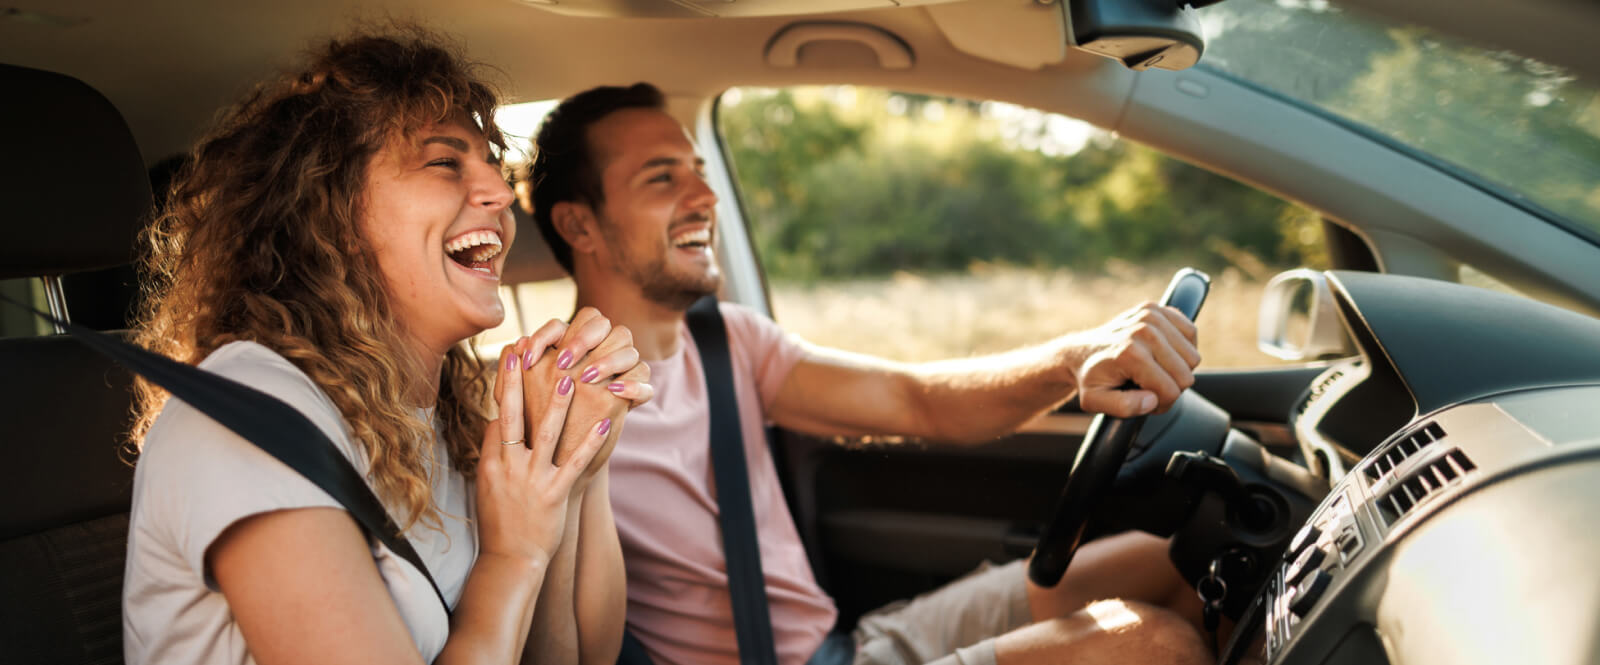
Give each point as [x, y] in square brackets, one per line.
[1524, 129]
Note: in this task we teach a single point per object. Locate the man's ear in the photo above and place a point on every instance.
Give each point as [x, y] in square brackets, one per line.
[575, 222]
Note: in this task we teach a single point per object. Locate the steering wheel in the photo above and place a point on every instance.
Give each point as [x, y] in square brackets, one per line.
[1105, 447]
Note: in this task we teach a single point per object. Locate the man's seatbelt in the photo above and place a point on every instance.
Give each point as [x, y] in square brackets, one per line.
[269, 423]
[746, 584]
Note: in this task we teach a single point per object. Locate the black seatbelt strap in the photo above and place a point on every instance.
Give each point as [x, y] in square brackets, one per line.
[746, 584]
[266, 421]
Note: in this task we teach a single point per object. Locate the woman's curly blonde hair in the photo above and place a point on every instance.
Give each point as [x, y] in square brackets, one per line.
[260, 241]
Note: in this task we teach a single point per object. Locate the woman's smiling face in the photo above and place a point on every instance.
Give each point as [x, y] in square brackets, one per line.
[437, 215]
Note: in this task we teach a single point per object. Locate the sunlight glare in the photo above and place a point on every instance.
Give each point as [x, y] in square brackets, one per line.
[520, 122]
[1112, 616]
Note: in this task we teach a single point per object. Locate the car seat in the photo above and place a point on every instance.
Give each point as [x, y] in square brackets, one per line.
[74, 191]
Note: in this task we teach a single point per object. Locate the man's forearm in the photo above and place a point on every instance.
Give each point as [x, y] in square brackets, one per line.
[600, 596]
[553, 635]
[833, 392]
[980, 399]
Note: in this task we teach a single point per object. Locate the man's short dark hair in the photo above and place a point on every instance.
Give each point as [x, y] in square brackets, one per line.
[564, 167]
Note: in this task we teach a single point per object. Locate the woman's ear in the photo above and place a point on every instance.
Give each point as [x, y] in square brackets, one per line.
[576, 224]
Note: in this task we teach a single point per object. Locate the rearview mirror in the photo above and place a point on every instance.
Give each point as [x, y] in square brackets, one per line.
[1164, 34]
[1299, 320]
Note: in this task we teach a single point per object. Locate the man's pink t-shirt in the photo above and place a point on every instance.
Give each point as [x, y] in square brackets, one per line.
[665, 504]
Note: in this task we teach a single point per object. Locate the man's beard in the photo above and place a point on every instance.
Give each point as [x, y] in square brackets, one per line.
[676, 292]
[657, 284]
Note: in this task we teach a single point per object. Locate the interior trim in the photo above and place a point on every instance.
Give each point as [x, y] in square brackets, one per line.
[784, 50]
[1058, 423]
[1076, 424]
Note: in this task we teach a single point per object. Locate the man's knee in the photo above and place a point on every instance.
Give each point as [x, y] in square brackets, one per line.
[1149, 633]
[1109, 631]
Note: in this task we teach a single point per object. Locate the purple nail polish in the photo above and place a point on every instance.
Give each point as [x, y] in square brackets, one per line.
[605, 426]
[511, 362]
[615, 387]
[527, 359]
[564, 386]
[589, 375]
[565, 361]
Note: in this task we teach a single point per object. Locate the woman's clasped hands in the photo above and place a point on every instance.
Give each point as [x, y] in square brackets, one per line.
[562, 393]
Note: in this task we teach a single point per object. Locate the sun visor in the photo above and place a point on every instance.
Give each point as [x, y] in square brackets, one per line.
[73, 186]
[1021, 33]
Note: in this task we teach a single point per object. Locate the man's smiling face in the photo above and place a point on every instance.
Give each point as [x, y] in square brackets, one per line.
[658, 219]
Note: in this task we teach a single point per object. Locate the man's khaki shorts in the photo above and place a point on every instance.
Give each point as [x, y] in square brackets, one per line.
[953, 625]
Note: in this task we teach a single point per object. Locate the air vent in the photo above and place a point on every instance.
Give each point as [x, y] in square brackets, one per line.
[1423, 483]
[1401, 450]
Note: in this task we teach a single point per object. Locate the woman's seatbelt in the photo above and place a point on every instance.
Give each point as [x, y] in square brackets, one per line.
[265, 421]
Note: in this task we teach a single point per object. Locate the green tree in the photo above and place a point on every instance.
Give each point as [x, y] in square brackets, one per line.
[1528, 128]
[844, 182]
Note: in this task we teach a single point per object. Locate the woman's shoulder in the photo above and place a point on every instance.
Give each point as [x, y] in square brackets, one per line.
[194, 477]
[257, 366]
[266, 370]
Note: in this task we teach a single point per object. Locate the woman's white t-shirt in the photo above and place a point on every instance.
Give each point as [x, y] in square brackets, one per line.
[195, 477]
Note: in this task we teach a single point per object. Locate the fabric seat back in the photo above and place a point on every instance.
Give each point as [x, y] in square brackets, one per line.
[64, 410]
[64, 533]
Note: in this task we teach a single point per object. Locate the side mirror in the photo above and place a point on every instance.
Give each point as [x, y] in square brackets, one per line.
[1299, 320]
[1165, 34]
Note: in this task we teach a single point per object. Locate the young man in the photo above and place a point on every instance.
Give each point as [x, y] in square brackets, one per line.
[619, 194]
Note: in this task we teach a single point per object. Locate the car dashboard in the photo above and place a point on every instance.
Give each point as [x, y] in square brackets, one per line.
[1463, 534]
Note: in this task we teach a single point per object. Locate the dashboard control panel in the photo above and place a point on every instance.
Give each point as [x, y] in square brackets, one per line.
[1315, 558]
[1334, 573]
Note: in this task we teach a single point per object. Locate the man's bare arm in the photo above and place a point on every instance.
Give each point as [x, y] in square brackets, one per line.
[972, 400]
[553, 631]
[600, 595]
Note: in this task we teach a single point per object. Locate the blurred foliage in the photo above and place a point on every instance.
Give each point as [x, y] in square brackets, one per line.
[841, 182]
[1530, 129]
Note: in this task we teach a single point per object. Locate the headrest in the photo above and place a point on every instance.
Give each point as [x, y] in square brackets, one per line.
[530, 259]
[73, 188]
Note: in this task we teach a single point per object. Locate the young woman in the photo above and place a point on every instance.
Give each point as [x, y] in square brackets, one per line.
[333, 242]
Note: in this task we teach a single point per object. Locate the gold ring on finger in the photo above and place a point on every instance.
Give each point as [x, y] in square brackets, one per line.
[517, 442]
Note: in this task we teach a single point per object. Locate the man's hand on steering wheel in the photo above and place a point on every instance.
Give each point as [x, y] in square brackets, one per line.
[1140, 361]
[1151, 345]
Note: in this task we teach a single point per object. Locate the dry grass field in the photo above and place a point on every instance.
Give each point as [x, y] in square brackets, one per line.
[988, 309]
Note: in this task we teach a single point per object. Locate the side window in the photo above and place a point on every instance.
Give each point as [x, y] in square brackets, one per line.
[14, 321]
[921, 228]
